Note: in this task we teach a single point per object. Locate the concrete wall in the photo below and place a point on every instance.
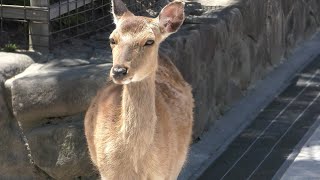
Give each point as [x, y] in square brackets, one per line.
[221, 57]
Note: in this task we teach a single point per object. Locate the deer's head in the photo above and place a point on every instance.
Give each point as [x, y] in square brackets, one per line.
[136, 39]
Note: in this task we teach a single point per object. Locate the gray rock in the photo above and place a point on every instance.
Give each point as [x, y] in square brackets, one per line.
[65, 63]
[101, 56]
[14, 156]
[43, 91]
[58, 147]
[12, 64]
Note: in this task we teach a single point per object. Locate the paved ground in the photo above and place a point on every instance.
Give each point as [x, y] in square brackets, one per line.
[261, 151]
[307, 164]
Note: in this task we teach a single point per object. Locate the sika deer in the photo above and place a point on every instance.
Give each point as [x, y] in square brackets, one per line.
[139, 126]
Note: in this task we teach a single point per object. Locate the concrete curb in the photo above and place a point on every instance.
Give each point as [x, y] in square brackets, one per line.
[222, 133]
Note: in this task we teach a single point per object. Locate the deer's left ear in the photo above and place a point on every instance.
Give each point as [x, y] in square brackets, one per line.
[171, 17]
[119, 9]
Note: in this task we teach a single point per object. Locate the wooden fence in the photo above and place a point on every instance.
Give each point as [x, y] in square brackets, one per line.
[49, 22]
[39, 14]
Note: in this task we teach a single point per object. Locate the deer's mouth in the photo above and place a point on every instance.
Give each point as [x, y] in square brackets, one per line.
[122, 80]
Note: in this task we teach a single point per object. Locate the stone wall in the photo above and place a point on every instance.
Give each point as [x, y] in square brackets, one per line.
[221, 53]
[234, 47]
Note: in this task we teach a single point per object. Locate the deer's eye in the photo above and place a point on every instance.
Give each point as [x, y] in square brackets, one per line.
[149, 43]
[112, 41]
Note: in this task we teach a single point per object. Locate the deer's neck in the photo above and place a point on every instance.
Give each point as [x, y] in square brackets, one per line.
[139, 114]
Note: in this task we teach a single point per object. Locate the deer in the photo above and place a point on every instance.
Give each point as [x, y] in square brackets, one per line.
[139, 126]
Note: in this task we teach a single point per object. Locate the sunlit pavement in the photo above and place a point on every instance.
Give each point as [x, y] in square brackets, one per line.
[307, 164]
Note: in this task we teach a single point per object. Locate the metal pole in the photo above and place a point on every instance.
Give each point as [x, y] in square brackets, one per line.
[1, 19]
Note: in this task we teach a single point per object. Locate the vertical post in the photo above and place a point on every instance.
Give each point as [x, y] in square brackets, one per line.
[39, 30]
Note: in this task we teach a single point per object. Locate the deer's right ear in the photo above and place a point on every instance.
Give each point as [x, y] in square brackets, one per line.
[171, 17]
[119, 9]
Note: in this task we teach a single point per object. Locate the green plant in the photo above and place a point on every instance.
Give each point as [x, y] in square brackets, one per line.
[10, 47]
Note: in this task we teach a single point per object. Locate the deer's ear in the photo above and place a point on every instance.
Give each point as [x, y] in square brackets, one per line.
[119, 9]
[171, 17]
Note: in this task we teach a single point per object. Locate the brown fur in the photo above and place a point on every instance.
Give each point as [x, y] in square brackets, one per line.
[140, 126]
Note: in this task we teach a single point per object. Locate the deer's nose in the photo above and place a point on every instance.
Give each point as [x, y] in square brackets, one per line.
[119, 71]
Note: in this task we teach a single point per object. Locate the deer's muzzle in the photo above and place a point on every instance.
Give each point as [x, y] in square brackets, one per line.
[119, 71]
